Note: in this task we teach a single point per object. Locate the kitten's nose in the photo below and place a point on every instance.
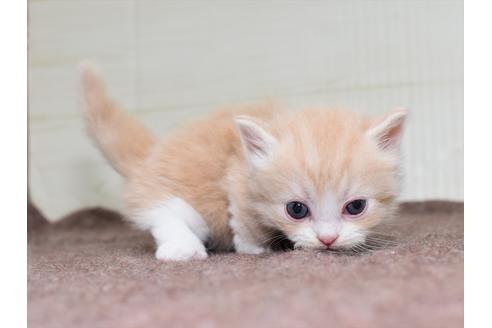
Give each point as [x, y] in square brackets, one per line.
[328, 241]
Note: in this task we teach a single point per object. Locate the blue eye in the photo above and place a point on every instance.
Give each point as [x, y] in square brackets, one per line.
[297, 210]
[355, 207]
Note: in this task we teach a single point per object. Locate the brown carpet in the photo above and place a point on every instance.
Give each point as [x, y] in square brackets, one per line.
[92, 270]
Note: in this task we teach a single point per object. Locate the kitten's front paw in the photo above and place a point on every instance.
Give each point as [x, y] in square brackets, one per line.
[244, 247]
[180, 252]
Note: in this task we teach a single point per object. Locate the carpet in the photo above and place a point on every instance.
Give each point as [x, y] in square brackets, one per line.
[93, 270]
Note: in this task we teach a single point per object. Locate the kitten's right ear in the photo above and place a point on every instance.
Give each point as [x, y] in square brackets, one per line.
[257, 143]
[387, 130]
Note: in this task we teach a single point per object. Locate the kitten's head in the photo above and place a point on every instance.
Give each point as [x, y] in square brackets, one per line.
[322, 178]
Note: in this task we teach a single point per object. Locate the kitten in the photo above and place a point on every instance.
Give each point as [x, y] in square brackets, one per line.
[234, 180]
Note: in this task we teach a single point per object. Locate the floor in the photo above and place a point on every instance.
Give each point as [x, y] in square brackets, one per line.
[93, 270]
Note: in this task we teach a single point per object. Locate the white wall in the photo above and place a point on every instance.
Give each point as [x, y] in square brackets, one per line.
[170, 60]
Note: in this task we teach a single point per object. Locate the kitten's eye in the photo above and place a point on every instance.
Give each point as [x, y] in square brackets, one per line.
[355, 207]
[297, 210]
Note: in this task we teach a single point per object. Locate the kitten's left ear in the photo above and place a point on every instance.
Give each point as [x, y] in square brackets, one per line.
[257, 143]
[387, 130]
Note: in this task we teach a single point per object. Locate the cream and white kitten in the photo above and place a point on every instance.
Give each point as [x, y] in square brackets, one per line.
[237, 179]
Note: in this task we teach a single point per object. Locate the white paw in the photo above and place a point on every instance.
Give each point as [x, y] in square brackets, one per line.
[176, 251]
[247, 248]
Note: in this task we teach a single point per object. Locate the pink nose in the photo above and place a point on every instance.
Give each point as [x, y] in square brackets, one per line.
[328, 241]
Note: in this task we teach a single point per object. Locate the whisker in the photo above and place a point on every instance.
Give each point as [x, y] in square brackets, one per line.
[379, 233]
[390, 241]
[361, 248]
[394, 223]
[277, 241]
[269, 238]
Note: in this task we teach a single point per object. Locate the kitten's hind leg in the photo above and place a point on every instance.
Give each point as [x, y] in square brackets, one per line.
[179, 231]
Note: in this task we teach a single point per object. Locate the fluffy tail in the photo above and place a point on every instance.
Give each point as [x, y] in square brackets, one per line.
[123, 140]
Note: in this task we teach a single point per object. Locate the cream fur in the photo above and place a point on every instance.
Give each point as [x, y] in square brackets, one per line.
[237, 169]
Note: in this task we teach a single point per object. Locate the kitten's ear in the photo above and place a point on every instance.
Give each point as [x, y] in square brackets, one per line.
[257, 143]
[387, 130]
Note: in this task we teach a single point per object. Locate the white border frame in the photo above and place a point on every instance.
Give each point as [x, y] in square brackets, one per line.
[13, 106]
[478, 164]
